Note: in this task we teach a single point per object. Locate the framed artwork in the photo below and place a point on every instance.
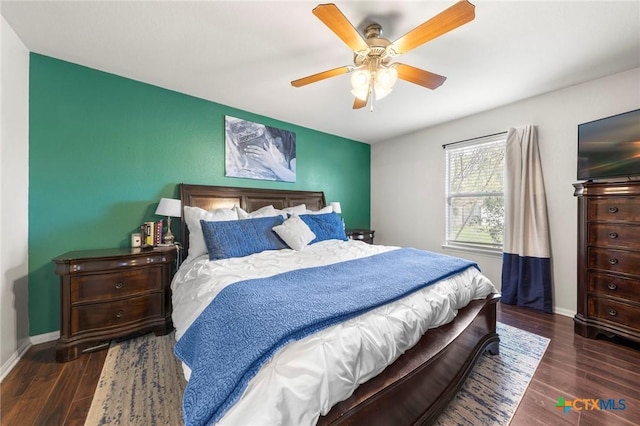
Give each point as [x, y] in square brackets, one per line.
[256, 151]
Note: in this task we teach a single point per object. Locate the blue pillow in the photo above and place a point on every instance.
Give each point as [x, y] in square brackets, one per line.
[239, 238]
[326, 226]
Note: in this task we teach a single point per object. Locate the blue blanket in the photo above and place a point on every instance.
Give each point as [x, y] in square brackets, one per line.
[250, 320]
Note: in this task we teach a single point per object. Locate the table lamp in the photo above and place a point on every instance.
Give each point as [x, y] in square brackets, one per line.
[169, 207]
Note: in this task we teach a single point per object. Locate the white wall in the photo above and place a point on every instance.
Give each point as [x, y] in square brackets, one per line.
[409, 172]
[14, 186]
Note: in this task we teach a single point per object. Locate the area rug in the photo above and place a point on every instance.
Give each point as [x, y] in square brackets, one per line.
[141, 383]
[492, 392]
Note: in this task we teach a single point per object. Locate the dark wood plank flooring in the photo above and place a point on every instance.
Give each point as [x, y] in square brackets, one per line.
[39, 391]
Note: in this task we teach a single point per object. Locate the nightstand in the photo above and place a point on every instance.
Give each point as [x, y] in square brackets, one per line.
[365, 235]
[111, 293]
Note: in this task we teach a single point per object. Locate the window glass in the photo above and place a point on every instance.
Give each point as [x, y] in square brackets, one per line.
[475, 193]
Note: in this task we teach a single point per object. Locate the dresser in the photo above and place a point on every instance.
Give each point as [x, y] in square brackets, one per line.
[365, 235]
[106, 294]
[608, 260]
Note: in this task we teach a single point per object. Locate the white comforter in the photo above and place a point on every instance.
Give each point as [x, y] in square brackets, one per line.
[306, 378]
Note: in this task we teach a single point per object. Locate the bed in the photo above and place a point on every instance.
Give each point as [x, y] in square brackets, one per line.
[418, 381]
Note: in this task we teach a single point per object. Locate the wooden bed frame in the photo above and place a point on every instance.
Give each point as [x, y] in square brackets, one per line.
[420, 383]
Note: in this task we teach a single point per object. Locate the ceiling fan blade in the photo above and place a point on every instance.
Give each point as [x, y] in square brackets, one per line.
[321, 76]
[359, 103]
[451, 18]
[331, 16]
[420, 77]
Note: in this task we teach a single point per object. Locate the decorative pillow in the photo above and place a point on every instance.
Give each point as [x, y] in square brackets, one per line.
[266, 211]
[295, 233]
[192, 216]
[323, 210]
[239, 238]
[326, 226]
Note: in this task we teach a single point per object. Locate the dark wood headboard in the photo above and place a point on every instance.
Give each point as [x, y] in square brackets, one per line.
[250, 199]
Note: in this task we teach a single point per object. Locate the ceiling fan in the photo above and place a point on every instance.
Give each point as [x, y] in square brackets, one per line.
[373, 73]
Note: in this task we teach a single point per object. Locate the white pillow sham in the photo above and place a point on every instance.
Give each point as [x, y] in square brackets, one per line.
[323, 210]
[300, 209]
[192, 216]
[295, 233]
[266, 211]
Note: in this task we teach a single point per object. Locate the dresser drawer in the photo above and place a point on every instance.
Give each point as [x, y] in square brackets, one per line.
[625, 262]
[617, 312]
[614, 208]
[614, 235]
[97, 316]
[98, 287]
[612, 285]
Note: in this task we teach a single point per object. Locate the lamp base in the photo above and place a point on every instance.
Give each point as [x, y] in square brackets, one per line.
[169, 239]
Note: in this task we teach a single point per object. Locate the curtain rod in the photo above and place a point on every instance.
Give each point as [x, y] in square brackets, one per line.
[473, 139]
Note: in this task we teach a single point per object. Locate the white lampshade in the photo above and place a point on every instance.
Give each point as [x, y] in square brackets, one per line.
[169, 207]
[335, 205]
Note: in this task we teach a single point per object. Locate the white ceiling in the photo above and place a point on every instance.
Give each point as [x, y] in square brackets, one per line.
[245, 53]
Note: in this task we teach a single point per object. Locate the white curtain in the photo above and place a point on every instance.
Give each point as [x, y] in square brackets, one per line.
[526, 261]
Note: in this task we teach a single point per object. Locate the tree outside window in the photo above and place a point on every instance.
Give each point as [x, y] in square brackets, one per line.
[475, 193]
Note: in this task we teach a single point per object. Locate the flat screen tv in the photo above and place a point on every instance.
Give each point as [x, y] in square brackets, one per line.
[609, 148]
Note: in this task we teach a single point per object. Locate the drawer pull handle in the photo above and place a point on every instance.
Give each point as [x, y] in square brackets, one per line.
[612, 286]
[613, 210]
[612, 312]
[119, 285]
[613, 235]
[120, 314]
[613, 261]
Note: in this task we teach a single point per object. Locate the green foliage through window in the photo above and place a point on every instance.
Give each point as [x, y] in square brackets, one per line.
[475, 193]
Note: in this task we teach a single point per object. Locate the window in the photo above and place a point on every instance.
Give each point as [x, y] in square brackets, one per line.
[475, 194]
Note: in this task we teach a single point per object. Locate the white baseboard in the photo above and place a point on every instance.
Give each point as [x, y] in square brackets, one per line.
[14, 358]
[564, 312]
[43, 338]
[24, 347]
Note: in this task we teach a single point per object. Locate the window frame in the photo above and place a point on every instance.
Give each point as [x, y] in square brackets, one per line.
[490, 249]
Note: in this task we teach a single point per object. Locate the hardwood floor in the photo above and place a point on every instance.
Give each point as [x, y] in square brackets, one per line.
[39, 391]
[574, 367]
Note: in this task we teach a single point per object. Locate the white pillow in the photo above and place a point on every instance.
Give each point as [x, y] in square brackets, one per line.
[290, 211]
[323, 210]
[266, 211]
[301, 209]
[192, 216]
[295, 233]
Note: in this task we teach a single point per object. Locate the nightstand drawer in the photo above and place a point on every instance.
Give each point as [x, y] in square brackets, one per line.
[612, 285]
[97, 316]
[626, 262]
[98, 287]
[618, 312]
[614, 235]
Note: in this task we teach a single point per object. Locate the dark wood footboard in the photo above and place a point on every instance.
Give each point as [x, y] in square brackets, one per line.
[418, 385]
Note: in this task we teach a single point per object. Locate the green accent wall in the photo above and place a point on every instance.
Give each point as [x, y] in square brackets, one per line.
[104, 149]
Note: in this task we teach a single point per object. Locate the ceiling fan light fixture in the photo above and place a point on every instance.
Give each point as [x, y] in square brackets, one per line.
[385, 79]
[360, 80]
[361, 93]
